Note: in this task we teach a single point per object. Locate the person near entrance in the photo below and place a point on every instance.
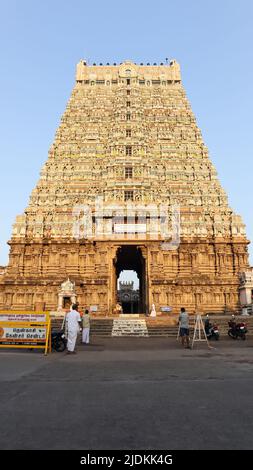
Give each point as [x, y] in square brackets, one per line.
[118, 310]
[86, 327]
[184, 328]
[153, 311]
[73, 325]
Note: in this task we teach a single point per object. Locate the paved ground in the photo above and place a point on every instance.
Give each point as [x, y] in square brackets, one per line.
[145, 393]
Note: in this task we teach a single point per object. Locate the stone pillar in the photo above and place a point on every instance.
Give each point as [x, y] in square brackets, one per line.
[246, 288]
[60, 302]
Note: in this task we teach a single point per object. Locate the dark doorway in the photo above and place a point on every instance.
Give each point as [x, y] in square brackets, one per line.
[130, 295]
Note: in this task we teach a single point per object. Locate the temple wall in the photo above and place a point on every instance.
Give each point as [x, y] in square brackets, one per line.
[198, 275]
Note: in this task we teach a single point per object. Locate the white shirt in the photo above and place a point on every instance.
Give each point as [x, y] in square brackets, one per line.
[184, 320]
[72, 319]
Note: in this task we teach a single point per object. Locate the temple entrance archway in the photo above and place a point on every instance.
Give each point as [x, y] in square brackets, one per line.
[131, 296]
[66, 295]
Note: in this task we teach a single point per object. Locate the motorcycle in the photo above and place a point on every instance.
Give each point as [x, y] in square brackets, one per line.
[212, 331]
[58, 341]
[237, 330]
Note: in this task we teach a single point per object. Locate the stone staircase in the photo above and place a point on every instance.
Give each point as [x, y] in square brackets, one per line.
[127, 327]
[147, 327]
[161, 330]
[101, 327]
[249, 309]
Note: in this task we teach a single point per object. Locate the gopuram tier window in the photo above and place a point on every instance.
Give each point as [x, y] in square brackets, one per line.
[128, 172]
[129, 150]
[129, 196]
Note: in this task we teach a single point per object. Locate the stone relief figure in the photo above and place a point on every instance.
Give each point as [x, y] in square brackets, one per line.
[117, 195]
[118, 171]
[137, 196]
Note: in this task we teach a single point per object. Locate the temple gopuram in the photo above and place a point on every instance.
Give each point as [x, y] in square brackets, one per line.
[127, 139]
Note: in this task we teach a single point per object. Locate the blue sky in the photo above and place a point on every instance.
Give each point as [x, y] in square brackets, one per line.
[41, 42]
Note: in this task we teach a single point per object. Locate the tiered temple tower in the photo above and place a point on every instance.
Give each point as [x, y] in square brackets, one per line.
[129, 137]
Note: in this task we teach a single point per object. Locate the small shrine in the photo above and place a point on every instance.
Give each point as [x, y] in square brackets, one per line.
[66, 296]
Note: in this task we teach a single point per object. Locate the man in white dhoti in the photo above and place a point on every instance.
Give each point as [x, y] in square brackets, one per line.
[86, 327]
[153, 311]
[73, 325]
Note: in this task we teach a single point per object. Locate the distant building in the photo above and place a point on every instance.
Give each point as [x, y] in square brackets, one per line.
[128, 297]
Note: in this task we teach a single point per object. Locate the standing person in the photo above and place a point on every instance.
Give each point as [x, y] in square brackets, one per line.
[208, 325]
[118, 309]
[86, 327]
[73, 325]
[184, 328]
[153, 311]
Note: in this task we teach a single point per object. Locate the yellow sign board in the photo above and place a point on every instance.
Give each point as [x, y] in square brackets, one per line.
[25, 330]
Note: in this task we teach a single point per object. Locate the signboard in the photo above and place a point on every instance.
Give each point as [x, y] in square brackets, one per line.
[14, 334]
[93, 308]
[25, 330]
[166, 309]
[30, 317]
[130, 228]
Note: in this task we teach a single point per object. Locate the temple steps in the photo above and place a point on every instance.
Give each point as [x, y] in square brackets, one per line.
[146, 327]
[122, 327]
[101, 327]
[162, 330]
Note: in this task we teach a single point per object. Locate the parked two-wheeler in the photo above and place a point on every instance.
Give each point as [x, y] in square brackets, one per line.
[58, 341]
[212, 332]
[237, 330]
